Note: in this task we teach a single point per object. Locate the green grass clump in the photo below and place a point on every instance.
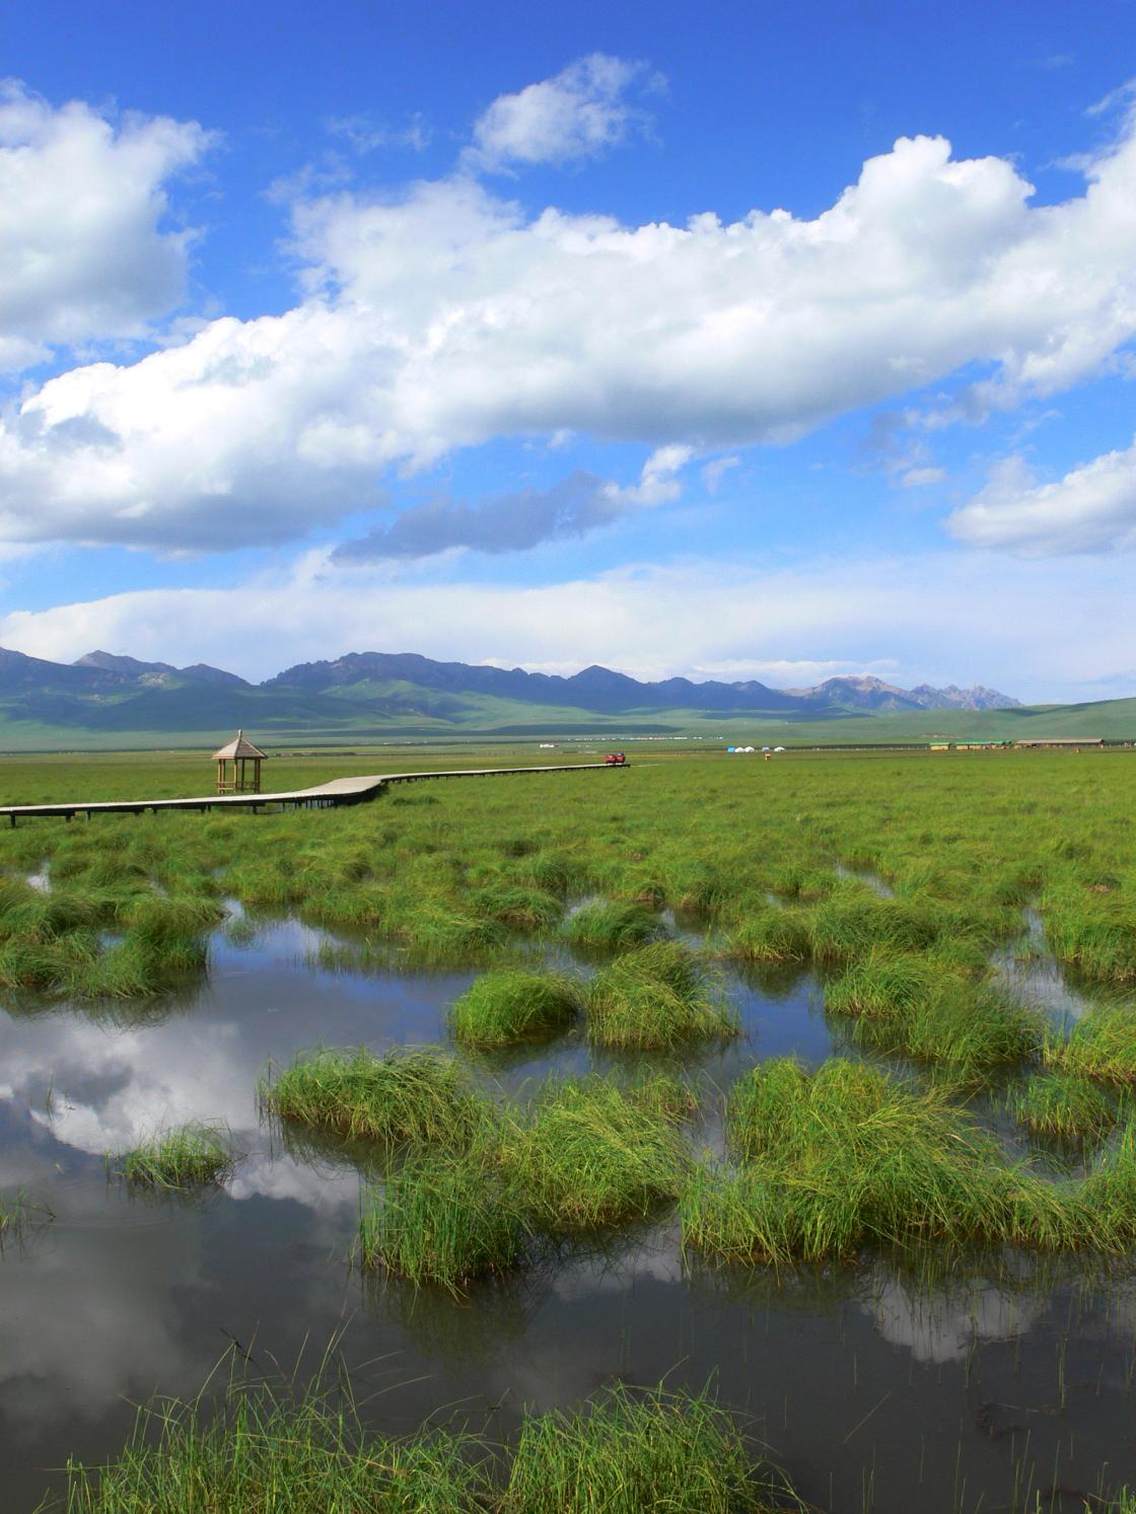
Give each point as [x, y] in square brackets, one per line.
[847, 926]
[1093, 932]
[606, 925]
[444, 1219]
[155, 920]
[630, 1453]
[440, 934]
[969, 1028]
[410, 1096]
[662, 1095]
[883, 984]
[769, 934]
[1106, 1199]
[1101, 1046]
[187, 1156]
[845, 1158]
[509, 1005]
[591, 1155]
[655, 998]
[266, 1452]
[1064, 1107]
[522, 908]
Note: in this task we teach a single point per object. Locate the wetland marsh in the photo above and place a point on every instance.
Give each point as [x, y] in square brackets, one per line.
[801, 1088]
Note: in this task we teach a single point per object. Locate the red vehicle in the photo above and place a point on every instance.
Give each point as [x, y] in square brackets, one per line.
[615, 760]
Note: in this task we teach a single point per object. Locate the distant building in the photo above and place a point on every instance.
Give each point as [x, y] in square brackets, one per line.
[1061, 741]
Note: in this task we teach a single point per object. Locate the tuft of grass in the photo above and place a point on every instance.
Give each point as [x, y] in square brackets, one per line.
[187, 1156]
[509, 1005]
[605, 925]
[1106, 1199]
[410, 1096]
[271, 1452]
[632, 1452]
[663, 1095]
[520, 907]
[655, 999]
[444, 1219]
[1064, 1107]
[846, 927]
[845, 1158]
[591, 1155]
[435, 932]
[1101, 1046]
[883, 984]
[970, 1029]
[770, 935]
[1093, 932]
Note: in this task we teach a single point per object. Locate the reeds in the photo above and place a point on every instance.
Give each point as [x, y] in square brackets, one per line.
[410, 1096]
[590, 1155]
[19, 1214]
[509, 1006]
[656, 998]
[187, 1156]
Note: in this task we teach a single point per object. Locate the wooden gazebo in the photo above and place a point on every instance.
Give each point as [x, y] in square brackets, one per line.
[240, 752]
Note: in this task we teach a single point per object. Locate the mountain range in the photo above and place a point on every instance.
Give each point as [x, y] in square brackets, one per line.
[113, 700]
[114, 692]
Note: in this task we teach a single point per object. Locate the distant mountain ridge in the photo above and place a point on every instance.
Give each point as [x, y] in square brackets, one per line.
[130, 667]
[108, 691]
[867, 693]
[598, 688]
[111, 701]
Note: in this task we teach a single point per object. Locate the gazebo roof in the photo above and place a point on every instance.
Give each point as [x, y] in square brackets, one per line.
[240, 746]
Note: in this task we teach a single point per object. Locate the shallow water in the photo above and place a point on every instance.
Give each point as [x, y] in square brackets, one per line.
[879, 886]
[1032, 974]
[875, 1391]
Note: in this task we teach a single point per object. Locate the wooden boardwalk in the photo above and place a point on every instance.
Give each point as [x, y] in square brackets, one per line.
[323, 796]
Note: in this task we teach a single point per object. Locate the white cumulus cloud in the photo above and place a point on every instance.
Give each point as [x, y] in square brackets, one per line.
[446, 317]
[1091, 509]
[84, 251]
[579, 113]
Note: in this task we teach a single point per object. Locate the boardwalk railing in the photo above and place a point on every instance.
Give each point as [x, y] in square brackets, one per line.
[323, 796]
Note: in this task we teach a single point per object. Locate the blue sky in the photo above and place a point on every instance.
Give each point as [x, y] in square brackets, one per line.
[700, 340]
